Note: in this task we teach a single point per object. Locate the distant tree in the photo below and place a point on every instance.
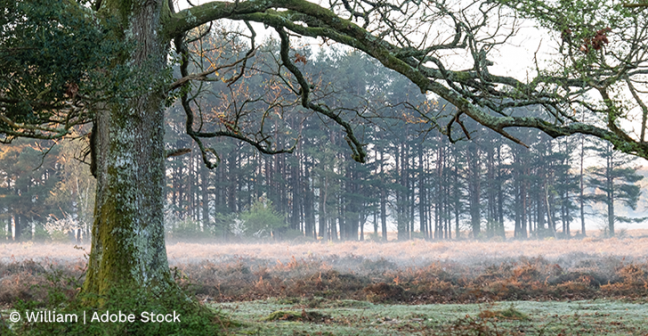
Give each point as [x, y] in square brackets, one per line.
[261, 220]
[74, 192]
[565, 184]
[617, 183]
[28, 178]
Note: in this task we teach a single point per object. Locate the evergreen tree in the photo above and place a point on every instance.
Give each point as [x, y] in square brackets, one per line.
[616, 181]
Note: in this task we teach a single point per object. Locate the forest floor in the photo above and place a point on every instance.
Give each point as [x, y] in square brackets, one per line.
[533, 287]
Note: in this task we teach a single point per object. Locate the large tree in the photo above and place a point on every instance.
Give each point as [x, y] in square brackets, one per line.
[442, 47]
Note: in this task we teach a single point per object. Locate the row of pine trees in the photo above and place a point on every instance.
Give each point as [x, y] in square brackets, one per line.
[415, 183]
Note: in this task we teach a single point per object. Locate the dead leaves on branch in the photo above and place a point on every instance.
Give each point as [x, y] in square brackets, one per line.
[597, 42]
[299, 58]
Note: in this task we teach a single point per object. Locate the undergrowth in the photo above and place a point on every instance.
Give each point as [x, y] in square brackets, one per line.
[58, 294]
[317, 283]
[380, 281]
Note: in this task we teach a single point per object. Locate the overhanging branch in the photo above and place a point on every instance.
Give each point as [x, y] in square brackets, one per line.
[482, 96]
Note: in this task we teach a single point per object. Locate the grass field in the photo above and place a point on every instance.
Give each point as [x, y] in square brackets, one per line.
[407, 252]
[536, 287]
[347, 317]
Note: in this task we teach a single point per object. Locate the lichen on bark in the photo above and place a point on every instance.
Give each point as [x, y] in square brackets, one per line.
[128, 248]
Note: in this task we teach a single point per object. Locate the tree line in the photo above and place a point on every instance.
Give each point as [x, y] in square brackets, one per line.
[416, 181]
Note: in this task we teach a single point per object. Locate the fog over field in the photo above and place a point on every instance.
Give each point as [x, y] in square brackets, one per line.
[382, 287]
[405, 254]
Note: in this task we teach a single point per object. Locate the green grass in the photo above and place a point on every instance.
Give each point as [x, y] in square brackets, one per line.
[347, 317]
[598, 317]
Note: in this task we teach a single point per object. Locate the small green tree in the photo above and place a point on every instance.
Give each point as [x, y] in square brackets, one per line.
[187, 229]
[261, 220]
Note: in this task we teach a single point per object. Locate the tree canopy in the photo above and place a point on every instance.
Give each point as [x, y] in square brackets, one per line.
[53, 66]
[598, 65]
[600, 53]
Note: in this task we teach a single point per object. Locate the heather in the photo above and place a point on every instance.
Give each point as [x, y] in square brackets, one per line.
[413, 272]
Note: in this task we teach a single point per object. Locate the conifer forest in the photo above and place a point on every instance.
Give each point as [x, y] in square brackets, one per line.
[416, 183]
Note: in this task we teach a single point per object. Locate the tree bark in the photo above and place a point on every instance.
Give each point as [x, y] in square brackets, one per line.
[422, 190]
[383, 200]
[128, 247]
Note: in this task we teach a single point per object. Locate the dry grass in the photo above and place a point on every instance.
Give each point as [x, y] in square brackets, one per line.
[413, 271]
[29, 280]
[415, 252]
[408, 253]
[438, 282]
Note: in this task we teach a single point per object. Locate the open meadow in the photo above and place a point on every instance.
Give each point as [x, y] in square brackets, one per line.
[406, 253]
[587, 286]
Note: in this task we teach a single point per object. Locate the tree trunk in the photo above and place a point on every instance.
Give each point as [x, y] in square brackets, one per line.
[204, 179]
[422, 191]
[456, 193]
[309, 206]
[474, 176]
[383, 200]
[610, 191]
[128, 247]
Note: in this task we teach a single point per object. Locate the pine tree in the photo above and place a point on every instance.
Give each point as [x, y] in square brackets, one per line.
[614, 182]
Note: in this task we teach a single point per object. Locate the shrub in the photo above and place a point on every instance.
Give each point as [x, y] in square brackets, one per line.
[3, 232]
[507, 314]
[303, 316]
[373, 237]
[261, 220]
[62, 296]
[295, 236]
[40, 234]
[186, 229]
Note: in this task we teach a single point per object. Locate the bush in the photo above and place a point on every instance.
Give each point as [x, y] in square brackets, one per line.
[40, 234]
[373, 237]
[62, 297]
[261, 220]
[59, 236]
[186, 229]
[296, 236]
[418, 235]
[545, 233]
[225, 224]
[3, 232]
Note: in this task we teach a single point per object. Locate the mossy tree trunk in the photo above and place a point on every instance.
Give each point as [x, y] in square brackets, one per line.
[128, 247]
